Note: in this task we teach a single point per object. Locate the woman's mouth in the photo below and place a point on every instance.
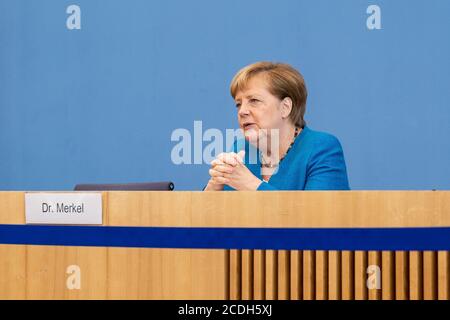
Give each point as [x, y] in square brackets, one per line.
[248, 126]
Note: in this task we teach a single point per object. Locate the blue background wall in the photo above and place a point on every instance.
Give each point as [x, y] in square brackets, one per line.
[99, 104]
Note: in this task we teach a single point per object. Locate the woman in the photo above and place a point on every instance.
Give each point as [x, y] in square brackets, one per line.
[271, 100]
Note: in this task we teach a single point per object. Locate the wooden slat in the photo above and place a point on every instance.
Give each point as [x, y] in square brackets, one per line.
[321, 275]
[347, 275]
[334, 275]
[415, 275]
[444, 275]
[247, 275]
[430, 275]
[401, 275]
[373, 275]
[226, 278]
[388, 275]
[443, 256]
[271, 275]
[360, 275]
[259, 275]
[296, 275]
[309, 275]
[235, 274]
[284, 275]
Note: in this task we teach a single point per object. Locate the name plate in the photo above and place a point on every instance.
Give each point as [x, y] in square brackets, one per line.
[63, 208]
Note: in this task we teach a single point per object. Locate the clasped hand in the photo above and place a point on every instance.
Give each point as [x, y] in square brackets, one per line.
[229, 169]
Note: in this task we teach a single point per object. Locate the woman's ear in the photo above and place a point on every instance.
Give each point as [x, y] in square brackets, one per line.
[286, 107]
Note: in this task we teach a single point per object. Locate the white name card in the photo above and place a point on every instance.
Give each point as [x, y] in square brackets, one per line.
[63, 208]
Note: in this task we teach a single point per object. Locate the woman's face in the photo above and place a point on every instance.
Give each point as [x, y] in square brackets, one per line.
[258, 109]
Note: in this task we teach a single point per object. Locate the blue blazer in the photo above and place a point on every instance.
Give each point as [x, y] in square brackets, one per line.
[314, 162]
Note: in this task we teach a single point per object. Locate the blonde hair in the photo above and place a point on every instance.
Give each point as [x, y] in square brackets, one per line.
[283, 82]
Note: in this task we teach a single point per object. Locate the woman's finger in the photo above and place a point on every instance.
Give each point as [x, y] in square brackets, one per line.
[220, 180]
[217, 162]
[220, 171]
[228, 158]
[224, 168]
[214, 173]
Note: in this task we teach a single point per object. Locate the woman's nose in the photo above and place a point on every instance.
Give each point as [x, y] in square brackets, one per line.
[243, 110]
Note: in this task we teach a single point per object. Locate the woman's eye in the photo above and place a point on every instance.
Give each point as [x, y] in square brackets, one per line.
[238, 105]
[254, 100]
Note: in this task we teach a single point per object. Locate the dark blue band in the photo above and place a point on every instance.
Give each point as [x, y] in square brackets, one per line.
[231, 238]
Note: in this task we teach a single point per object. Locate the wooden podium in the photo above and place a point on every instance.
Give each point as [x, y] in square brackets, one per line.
[40, 272]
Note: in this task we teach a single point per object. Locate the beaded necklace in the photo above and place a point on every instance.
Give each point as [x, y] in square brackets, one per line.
[270, 165]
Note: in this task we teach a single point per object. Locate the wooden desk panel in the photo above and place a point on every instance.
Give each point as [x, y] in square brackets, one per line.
[40, 272]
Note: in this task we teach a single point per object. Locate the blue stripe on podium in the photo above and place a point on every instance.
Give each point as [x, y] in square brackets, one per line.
[435, 238]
